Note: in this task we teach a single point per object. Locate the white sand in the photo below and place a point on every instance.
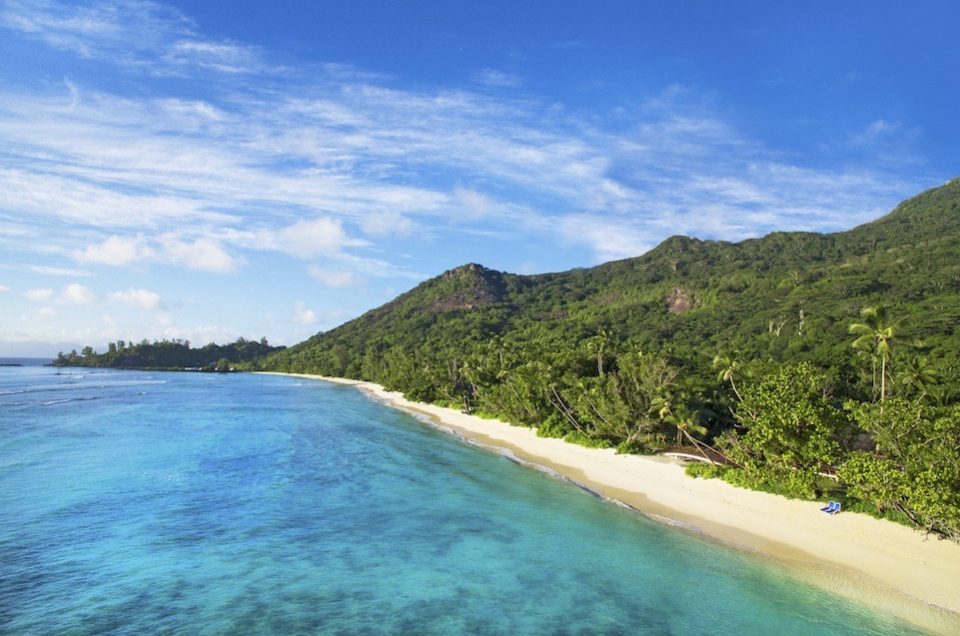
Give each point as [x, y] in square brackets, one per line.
[874, 561]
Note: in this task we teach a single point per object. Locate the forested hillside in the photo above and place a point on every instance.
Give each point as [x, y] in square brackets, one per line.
[787, 296]
[796, 357]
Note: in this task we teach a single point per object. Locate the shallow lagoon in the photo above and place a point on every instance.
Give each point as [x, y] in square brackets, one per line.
[137, 502]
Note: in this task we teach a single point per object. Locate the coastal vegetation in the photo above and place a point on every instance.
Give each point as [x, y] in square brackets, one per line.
[811, 365]
[171, 355]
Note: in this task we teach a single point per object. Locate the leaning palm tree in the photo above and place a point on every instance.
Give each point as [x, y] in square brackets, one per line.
[728, 368]
[875, 333]
[685, 421]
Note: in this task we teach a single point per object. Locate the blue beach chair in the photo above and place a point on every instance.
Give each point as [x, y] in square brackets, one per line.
[831, 508]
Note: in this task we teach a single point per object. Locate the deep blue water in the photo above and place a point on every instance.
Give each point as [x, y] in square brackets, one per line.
[139, 503]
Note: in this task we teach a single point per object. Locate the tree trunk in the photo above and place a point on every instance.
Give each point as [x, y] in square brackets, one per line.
[735, 392]
[883, 378]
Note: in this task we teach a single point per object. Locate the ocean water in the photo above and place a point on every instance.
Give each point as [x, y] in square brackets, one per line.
[143, 503]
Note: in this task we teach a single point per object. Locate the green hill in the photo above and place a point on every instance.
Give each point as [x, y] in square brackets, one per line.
[786, 296]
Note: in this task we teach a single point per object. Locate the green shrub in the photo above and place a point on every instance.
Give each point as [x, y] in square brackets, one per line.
[578, 438]
[705, 470]
[554, 426]
[632, 447]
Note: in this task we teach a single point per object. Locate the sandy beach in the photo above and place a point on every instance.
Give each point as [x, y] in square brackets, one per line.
[881, 563]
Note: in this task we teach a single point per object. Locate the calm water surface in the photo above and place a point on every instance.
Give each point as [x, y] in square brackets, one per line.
[140, 503]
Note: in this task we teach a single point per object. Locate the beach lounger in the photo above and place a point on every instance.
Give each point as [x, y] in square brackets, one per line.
[831, 508]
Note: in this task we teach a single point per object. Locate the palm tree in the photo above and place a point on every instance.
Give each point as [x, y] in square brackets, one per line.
[599, 344]
[728, 368]
[941, 395]
[875, 333]
[917, 374]
[676, 414]
[865, 355]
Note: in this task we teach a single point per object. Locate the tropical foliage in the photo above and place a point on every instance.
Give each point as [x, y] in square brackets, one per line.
[918, 472]
[791, 432]
[171, 354]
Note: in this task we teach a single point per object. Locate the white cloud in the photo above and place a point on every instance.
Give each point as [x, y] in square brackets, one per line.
[142, 298]
[363, 156]
[189, 111]
[38, 295]
[201, 254]
[608, 238]
[223, 56]
[58, 271]
[116, 250]
[316, 237]
[331, 278]
[4, 289]
[497, 78]
[96, 28]
[77, 294]
[340, 150]
[137, 34]
[472, 204]
[204, 254]
[387, 224]
[874, 131]
[46, 312]
[302, 315]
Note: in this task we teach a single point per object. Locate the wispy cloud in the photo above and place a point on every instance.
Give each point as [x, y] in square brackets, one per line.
[96, 28]
[331, 278]
[609, 239]
[138, 34]
[58, 271]
[47, 270]
[39, 294]
[227, 57]
[497, 78]
[387, 224]
[875, 131]
[306, 164]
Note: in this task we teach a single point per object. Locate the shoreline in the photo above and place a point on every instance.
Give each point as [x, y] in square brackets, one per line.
[882, 564]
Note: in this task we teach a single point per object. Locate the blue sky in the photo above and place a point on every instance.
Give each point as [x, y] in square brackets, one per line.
[208, 170]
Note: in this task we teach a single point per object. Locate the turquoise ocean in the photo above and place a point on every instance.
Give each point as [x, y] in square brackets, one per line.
[179, 503]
